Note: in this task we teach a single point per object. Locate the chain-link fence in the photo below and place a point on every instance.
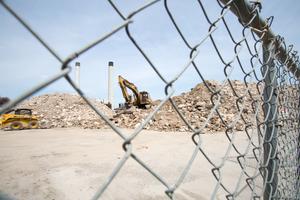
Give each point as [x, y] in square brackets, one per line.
[269, 161]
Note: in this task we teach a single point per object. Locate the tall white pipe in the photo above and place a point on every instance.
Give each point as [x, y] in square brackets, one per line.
[110, 83]
[77, 74]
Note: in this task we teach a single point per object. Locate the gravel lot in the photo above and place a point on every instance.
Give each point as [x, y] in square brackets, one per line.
[73, 163]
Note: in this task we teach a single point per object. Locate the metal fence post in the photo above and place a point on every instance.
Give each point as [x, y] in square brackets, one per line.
[270, 114]
[298, 154]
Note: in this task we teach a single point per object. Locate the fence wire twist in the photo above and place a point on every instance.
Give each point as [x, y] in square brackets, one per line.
[272, 127]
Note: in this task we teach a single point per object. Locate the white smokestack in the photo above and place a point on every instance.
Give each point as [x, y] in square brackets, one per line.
[77, 74]
[110, 83]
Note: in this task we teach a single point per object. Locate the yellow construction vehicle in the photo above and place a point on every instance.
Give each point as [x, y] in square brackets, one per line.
[141, 99]
[18, 119]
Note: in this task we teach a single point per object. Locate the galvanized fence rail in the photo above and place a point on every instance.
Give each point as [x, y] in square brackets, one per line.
[272, 127]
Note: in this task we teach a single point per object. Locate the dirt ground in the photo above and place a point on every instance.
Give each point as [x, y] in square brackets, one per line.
[73, 163]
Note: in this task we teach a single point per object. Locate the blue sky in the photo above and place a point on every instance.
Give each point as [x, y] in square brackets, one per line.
[68, 25]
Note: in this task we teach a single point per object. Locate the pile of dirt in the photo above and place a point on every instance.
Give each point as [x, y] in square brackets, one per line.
[211, 107]
[66, 110]
[235, 109]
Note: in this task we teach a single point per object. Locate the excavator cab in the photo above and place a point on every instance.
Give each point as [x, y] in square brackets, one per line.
[145, 101]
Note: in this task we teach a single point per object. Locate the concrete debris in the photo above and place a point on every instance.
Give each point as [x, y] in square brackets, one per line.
[210, 111]
[66, 110]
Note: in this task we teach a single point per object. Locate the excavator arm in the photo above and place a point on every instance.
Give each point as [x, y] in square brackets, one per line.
[126, 84]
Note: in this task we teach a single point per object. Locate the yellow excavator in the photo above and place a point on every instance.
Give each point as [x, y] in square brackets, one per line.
[141, 99]
[18, 119]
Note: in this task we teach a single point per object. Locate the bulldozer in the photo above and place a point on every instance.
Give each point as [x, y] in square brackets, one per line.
[141, 99]
[18, 119]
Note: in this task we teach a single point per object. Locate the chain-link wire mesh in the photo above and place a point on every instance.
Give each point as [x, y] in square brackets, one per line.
[269, 160]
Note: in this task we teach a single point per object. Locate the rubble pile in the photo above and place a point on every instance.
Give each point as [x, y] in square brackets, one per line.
[66, 110]
[196, 106]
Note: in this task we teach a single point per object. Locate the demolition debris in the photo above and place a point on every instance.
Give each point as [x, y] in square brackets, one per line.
[209, 110]
[215, 109]
[67, 110]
